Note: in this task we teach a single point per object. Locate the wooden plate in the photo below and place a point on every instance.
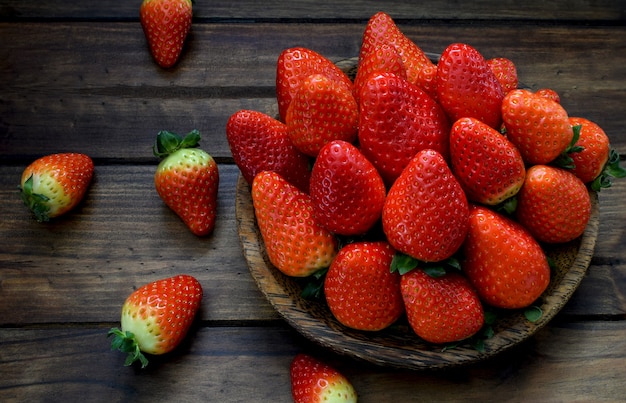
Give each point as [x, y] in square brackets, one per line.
[398, 346]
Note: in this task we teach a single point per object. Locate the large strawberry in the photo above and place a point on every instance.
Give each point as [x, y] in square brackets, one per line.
[156, 317]
[503, 261]
[347, 192]
[54, 184]
[295, 242]
[467, 87]
[187, 180]
[166, 24]
[313, 381]
[426, 211]
[488, 166]
[361, 291]
[259, 142]
[396, 120]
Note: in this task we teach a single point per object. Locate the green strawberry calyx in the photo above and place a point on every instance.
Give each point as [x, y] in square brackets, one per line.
[612, 168]
[168, 142]
[403, 263]
[36, 202]
[127, 343]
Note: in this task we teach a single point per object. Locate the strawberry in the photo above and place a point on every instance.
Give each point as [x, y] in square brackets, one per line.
[313, 381]
[361, 291]
[320, 111]
[156, 317]
[396, 120]
[259, 142]
[467, 87]
[166, 24]
[187, 180]
[505, 71]
[442, 309]
[589, 161]
[295, 242]
[426, 211]
[296, 64]
[554, 205]
[503, 261]
[488, 166]
[346, 190]
[382, 59]
[549, 93]
[538, 126]
[54, 184]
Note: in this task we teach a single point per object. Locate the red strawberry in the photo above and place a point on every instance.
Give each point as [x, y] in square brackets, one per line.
[156, 317]
[295, 242]
[55, 184]
[503, 261]
[347, 191]
[187, 180]
[259, 142]
[488, 166]
[441, 309]
[396, 120]
[313, 381]
[321, 111]
[426, 211]
[467, 87]
[554, 205]
[361, 291]
[382, 59]
[505, 72]
[549, 93]
[538, 126]
[296, 64]
[166, 24]
[589, 162]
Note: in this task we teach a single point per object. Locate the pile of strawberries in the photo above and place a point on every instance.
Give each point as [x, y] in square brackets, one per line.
[433, 187]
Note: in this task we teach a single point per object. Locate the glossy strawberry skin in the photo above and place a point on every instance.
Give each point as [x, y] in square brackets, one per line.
[505, 71]
[295, 242]
[166, 24]
[259, 142]
[506, 265]
[313, 381]
[426, 211]
[589, 163]
[361, 291]
[550, 94]
[381, 59]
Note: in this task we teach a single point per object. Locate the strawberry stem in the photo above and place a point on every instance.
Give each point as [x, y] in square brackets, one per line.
[168, 142]
[36, 202]
[126, 343]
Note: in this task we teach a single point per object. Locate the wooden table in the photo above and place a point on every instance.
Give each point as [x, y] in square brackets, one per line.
[77, 76]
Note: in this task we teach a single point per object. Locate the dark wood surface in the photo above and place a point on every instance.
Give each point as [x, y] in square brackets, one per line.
[77, 76]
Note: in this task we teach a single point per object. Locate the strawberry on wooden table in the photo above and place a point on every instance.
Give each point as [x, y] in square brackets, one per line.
[187, 180]
[54, 184]
[313, 381]
[156, 317]
[166, 24]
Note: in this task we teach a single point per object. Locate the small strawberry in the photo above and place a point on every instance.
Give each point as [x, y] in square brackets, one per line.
[55, 184]
[549, 93]
[361, 291]
[467, 87]
[538, 126]
[426, 211]
[505, 72]
[295, 242]
[321, 111]
[347, 192]
[488, 166]
[187, 180]
[166, 24]
[259, 142]
[442, 309]
[503, 261]
[156, 317]
[313, 381]
[554, 204]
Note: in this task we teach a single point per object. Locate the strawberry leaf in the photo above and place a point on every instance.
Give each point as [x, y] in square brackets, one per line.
[127, 343]
[403, 263]
[564, 160]
[314, 288]
[168, 142]
[612, 169]
[36, 202]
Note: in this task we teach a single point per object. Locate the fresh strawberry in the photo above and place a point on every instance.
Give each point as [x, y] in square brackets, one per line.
[549, 93]
[361, 291]
[166, 24]
[187, 180]
[554, 204]
[156, 317]
[313, 381]
[592, 155]
[503, 261]
[382, 59]
[538, 126]
[488, 166]
[294, 66]
[396, 120]
[259, 142]
[505, 72]
[55, 184]
[321, 111]
[467, 87]
[295, 242]
[426, 211]
[442, 309]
